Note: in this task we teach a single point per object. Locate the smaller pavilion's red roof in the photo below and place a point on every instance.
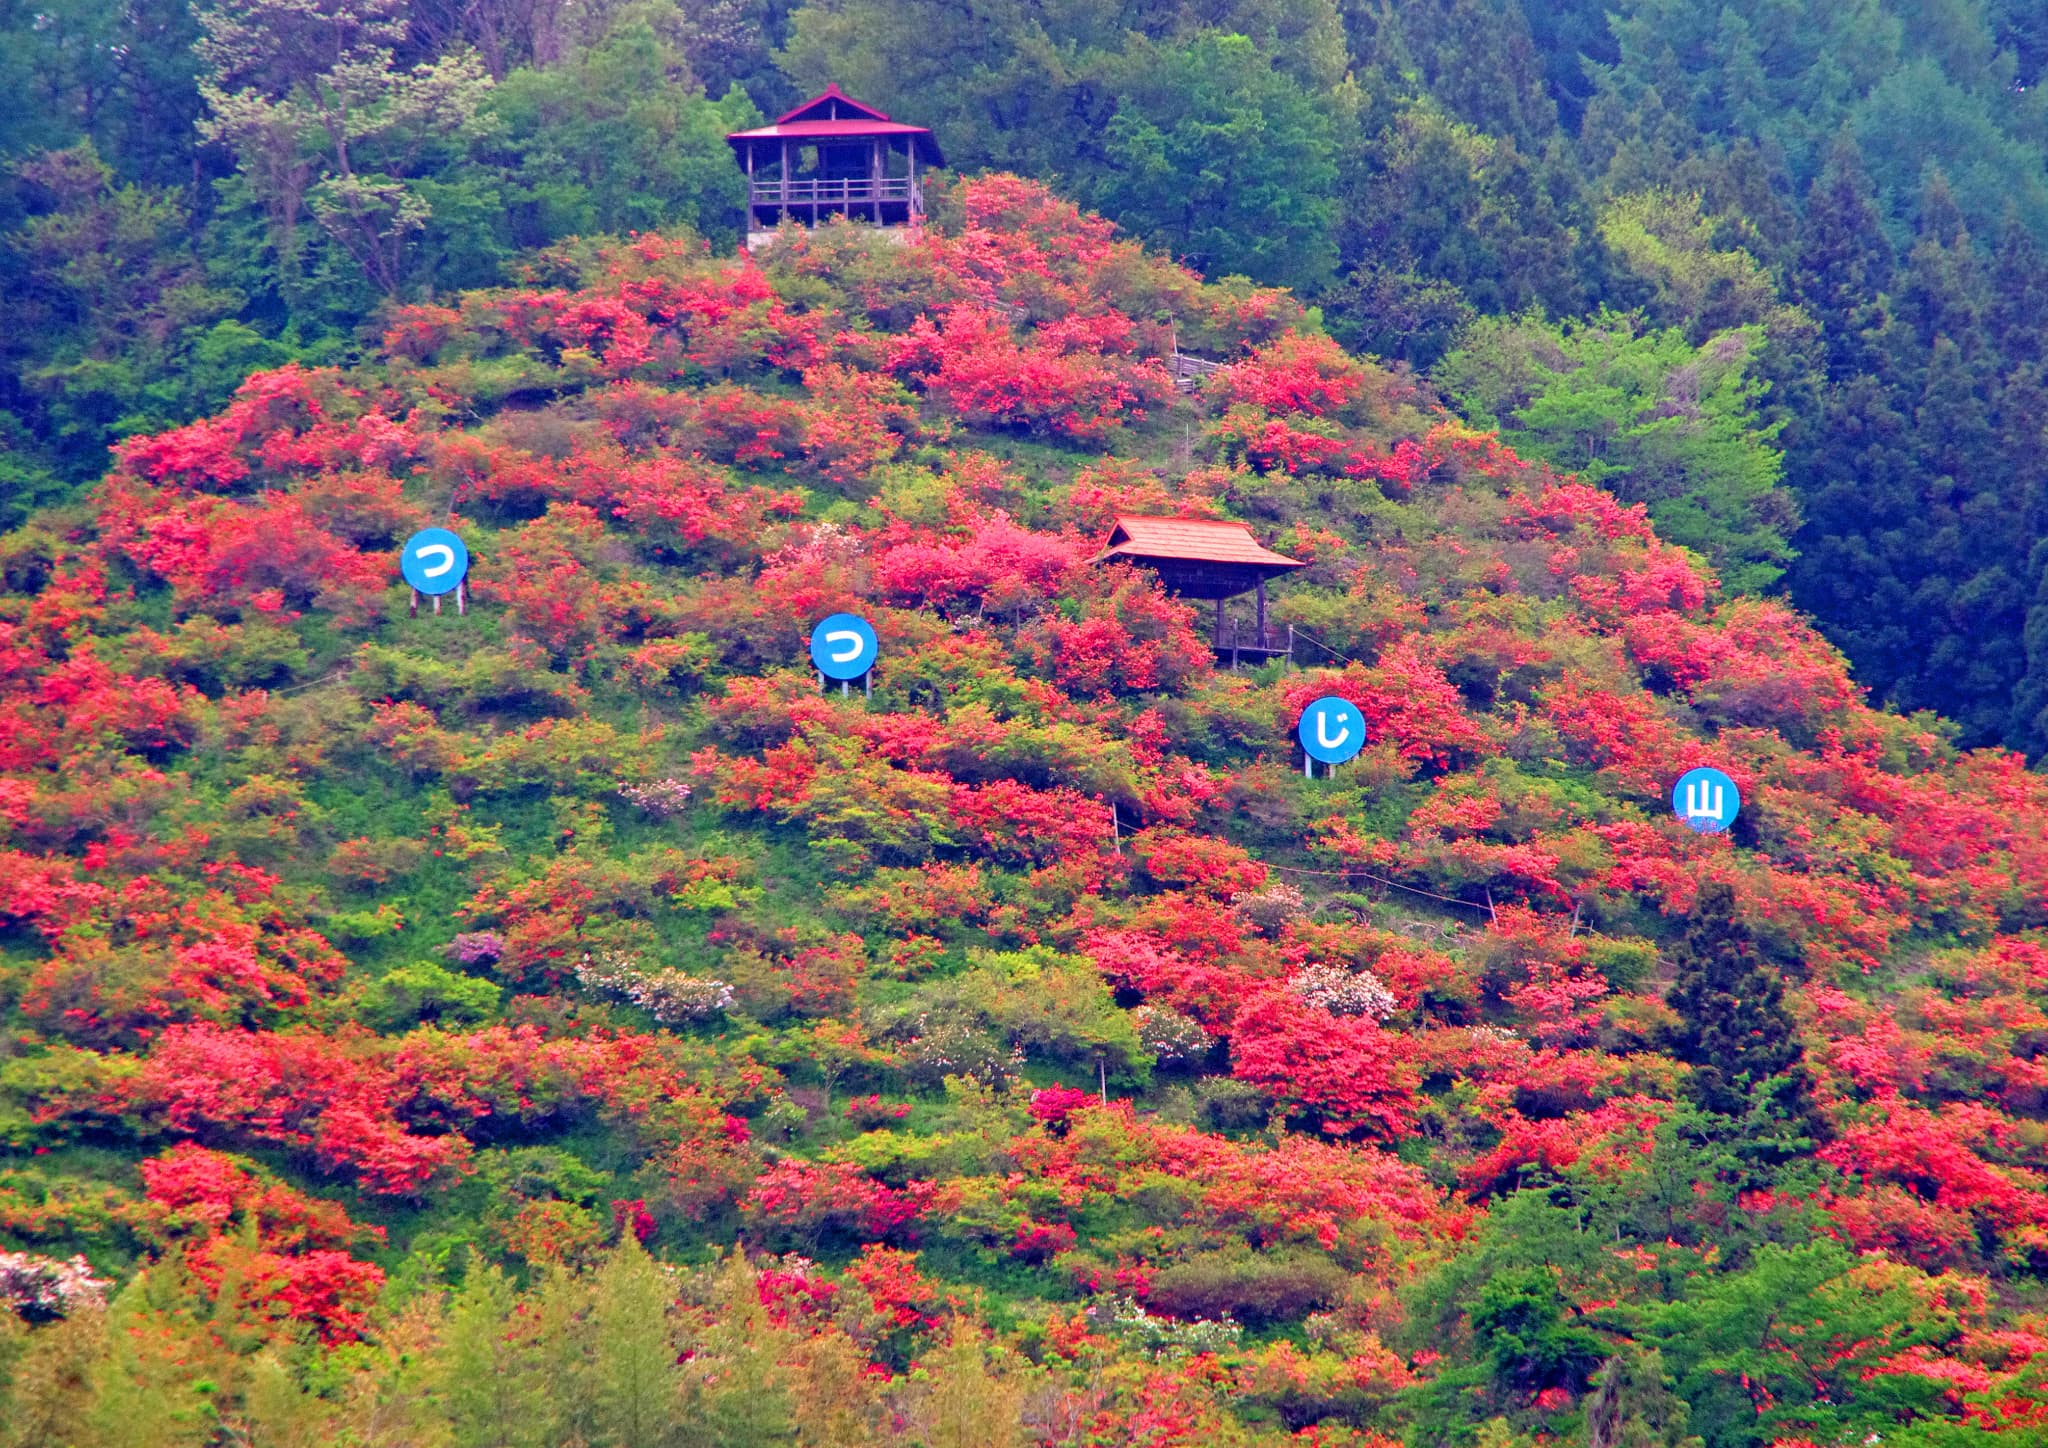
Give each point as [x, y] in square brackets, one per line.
[1195, 540]
[831, 104]
[833, 115]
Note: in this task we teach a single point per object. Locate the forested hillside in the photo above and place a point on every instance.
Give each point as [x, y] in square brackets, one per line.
[561, 1021]
[1772, 267]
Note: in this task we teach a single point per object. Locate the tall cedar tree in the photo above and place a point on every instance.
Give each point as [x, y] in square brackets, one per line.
[1733, 1029]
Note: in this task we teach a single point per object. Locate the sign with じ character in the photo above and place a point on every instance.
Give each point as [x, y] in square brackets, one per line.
[1332, 730]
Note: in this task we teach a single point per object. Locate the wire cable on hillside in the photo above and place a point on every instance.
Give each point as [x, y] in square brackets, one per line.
[1379, 879]
[1300, 634]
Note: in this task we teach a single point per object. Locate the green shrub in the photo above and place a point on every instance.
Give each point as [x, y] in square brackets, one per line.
[424, 991]
[1626, 964]
[1256, 1288]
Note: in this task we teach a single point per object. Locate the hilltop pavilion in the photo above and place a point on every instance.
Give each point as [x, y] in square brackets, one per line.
[833, 156]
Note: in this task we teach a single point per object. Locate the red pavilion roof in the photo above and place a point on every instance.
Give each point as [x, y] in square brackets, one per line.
[833, 115]
[1192, 540]
[828, 104]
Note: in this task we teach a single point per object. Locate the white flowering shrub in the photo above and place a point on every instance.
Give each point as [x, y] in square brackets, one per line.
[820, 543]
[671, 997]
[1342, 992]
[662, 798]
[1121, 1316]
[45, 1287]
[1269, 911]
[946, 1047]
[1171, 1036]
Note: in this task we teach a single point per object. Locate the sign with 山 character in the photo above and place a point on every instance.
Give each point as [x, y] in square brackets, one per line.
[1706, 800]
[1331, 731]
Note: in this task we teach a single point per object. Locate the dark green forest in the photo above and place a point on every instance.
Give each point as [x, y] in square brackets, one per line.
[1774, 268]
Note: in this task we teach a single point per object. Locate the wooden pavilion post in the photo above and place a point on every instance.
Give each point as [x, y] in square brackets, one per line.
[783, 210]
[1262, 611]
[875, 180]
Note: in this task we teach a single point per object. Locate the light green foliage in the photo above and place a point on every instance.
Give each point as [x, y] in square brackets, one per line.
[425, 991]
[1646, 415]
[608, 141]
[736, 1393]
[1040, 1002]
[633, 1351]
[488, 1378]
[969, 1394]
[1802, 1325]
[1705, 286]
[44, 1378]
[144, 1394]
[278, 1410]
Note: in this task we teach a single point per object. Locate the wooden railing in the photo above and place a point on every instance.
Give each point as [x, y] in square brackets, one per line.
[1190, 373]
[858, 191]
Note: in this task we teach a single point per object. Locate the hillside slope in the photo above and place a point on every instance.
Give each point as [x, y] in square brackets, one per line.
[1071, 1067]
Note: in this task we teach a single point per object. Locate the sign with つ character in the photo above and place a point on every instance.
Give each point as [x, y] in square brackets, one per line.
[1706, 800]
[844, 647]
[1331, 731]
[435, 562]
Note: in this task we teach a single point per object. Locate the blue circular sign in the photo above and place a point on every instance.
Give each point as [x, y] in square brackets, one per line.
[1706, 799]
[434, 561]
[844, 646]
[1331, 730]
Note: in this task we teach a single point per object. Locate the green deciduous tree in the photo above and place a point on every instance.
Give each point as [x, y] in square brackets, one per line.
[617, 137]
[1785, 1346]
[1215, 155]
[118, 324]
[324, 122]
[1646, 414]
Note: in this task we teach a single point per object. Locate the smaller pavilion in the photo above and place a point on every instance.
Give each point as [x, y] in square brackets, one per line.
[833, 156]
[1203, 558]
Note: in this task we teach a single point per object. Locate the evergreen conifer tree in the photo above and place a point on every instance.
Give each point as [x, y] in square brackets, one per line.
[1845, 262]
[1730, 1000]
[489, 1385]
[2030, 699]
[737, 1390]
[634, 1353]
[2018, 318]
